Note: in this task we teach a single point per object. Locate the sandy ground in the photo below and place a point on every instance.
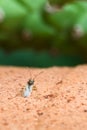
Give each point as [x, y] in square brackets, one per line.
[58, 100]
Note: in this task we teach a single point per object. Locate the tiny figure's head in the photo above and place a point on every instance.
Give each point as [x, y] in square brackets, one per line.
[30, 82]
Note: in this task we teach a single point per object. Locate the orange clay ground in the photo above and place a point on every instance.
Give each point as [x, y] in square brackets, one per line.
[58, 100]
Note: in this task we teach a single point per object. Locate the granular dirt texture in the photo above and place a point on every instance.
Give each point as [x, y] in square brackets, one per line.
[58, 100]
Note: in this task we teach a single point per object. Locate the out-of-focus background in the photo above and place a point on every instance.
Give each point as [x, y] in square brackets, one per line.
[43, 33]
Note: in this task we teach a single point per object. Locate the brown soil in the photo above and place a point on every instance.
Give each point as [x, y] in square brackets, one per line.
[58, 100]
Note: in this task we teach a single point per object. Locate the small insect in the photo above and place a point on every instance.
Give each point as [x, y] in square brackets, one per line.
[30, 84]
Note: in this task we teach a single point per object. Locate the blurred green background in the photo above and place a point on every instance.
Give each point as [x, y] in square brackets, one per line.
[38, 59]
[43, 33]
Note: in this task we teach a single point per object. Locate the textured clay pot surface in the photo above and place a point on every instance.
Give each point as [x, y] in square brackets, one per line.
[58, 100]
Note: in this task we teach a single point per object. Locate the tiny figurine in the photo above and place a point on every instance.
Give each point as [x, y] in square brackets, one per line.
[28, 89]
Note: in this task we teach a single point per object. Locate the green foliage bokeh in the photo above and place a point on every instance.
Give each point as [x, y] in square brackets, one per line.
[36, 24]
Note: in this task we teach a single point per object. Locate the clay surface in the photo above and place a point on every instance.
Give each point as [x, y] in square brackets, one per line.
[58, 100]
